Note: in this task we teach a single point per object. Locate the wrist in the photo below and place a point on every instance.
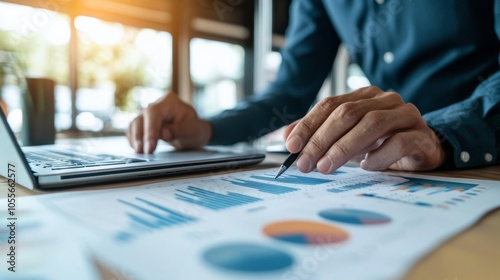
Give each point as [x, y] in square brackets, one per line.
[446, 151]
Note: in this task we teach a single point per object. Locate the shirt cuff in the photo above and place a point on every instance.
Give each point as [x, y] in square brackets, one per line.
[473, 143]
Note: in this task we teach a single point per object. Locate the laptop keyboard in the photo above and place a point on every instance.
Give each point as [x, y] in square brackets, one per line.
[60, 160]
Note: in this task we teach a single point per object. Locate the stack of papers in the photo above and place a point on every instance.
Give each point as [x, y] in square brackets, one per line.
[351, 224]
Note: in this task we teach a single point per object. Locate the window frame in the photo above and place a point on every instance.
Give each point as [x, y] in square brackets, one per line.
[177, 19]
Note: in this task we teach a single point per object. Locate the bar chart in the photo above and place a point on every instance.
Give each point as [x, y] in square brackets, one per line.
[356, 186]
[426, 193]
[263, 187]
[432, 187]
[213, 200]
[292, 179]
[416, 203]
[145, 215]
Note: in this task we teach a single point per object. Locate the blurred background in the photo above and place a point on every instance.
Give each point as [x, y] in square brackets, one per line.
[110, 59]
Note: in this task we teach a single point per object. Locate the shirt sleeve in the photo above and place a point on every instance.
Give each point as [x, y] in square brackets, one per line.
[472, 127]
[307, 58]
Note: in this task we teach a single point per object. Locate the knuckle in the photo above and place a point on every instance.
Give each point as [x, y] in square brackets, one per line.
[369, 91]
[315, 145]
[413, 113]
[341, 149]
[398, 144]
[425, 144]
[393, 96]
[349, 111]
[374, 88]
[305, 126]
[376, 121]
[327, 104]
[412, 109]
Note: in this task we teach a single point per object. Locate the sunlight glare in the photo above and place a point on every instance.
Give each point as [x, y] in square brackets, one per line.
[100, 32]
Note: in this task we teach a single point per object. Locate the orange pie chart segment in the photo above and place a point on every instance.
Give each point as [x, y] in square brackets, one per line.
[305, 232]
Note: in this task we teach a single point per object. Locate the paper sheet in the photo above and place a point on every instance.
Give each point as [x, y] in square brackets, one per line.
[351, 224]
[37, 244]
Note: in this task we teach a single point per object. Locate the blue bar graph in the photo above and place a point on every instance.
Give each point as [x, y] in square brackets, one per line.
[213, 200]
[335, 172]
[417, 203]
[416, 184]
[415, 191]
[354, 186]
[292, 179]
[147, 215]
[263, 187]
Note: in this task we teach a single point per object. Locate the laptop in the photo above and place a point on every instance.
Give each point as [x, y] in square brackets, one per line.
[58, 166]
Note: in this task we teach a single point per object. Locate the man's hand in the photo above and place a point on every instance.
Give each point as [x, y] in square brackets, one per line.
[370, 125]
[169, 119]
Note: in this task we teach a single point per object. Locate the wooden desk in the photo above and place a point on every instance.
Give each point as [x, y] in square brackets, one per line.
[473, 254]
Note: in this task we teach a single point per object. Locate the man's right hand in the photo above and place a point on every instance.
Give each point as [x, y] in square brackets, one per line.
[171, 120]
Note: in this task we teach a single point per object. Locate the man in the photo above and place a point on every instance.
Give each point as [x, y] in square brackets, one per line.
[437, 100]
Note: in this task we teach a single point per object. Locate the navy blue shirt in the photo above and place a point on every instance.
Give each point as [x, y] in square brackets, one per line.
[441, 55]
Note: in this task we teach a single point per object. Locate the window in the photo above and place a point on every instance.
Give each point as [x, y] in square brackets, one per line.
[273, 62]
[39, 39]
[125, 68]
[355, 78]
[112, 58]
[217, 75]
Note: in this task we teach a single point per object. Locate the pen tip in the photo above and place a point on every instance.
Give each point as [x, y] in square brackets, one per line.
[280, 171]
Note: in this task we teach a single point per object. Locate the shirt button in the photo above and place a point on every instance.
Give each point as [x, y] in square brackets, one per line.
[488, 157]
[388, 57]
[464, 156]
[380, 1]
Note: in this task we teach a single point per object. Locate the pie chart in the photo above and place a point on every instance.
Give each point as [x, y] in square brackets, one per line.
[305, 232]
[247, 257]
[355, 216]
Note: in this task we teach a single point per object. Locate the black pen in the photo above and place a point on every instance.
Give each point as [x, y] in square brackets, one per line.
[288, 162]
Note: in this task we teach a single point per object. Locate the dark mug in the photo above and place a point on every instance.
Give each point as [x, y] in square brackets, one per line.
[38, 112]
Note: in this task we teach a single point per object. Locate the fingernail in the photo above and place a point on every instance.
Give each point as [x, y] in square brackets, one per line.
[364, 165]
[324, 165]
[304, 163]
[294, 145]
